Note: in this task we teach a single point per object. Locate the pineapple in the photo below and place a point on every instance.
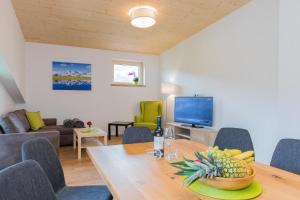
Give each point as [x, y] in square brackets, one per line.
[234, 168]
[210, 164]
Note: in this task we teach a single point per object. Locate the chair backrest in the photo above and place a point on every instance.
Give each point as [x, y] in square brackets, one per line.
[26, 181]
[150, 110]
[137, 134]
[287, 155]
[42, 151]
[234, 138]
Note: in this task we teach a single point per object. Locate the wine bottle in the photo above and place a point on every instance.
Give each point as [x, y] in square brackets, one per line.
[159, 139]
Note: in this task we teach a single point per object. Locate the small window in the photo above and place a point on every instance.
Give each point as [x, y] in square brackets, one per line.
[128, 73]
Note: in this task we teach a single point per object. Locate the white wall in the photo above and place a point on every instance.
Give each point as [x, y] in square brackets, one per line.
[104, 103]
[7, 103]
[12, 45]
[235, 61]
[289, 68]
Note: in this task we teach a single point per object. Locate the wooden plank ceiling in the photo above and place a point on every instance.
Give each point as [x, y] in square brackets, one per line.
[105, 24]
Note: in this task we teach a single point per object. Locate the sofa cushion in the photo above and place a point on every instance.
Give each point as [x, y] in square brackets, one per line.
[65, 131]
[66, 134]
[6, 125]
[62, 130]
[50, 121]
[35, 120]
[47, 128]
[22, 117]
[14, 119]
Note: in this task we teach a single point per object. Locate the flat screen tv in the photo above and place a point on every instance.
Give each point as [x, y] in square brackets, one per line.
[194, 111]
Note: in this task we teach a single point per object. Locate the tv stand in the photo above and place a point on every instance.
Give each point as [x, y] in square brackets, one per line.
[202, 135]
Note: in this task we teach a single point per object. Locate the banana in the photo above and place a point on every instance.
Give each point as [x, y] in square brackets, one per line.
[249, 160]
[234, 152]
[244, 155]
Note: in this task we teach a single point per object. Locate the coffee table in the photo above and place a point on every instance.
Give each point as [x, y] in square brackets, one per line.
[117, 124]
[85, 137]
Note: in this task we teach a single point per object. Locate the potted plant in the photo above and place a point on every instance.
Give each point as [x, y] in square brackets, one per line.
[135, 78]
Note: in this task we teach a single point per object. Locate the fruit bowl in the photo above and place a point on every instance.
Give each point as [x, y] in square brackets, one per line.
[230, 183]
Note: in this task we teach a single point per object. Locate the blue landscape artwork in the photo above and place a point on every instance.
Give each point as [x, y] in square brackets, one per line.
[71, 76]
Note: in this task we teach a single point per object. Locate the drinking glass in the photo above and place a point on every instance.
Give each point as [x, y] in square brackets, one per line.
[170, 144]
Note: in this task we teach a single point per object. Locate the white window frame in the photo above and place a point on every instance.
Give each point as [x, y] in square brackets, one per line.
[141, 75]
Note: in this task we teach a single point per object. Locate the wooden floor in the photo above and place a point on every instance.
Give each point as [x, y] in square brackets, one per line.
[81, 172]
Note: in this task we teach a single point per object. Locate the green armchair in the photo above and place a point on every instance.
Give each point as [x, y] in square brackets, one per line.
[149, 112]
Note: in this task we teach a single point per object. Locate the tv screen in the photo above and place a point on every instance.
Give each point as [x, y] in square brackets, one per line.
[197, 111]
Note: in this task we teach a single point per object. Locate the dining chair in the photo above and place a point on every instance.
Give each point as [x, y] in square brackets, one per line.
[137, 134]
[287, 155]
[234, 138]
[42, 151]
[27, 181]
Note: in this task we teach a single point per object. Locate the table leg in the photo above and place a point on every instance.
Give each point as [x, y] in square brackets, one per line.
[74, 140]
[105, 140]
[117, 130]
[79, 147]
[109, 131]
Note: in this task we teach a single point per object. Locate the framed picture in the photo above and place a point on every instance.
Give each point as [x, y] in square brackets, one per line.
[71, 76]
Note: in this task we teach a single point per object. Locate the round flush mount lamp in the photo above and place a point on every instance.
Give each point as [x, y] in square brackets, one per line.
[142, 17]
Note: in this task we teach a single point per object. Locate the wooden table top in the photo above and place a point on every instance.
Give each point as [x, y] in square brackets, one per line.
[95, 132]
[132, 173]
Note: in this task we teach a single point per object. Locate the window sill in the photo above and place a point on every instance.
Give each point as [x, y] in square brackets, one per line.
[128, 84]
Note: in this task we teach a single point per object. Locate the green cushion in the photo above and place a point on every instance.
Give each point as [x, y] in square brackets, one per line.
[151, 126]
[151, 111]
[35, 120]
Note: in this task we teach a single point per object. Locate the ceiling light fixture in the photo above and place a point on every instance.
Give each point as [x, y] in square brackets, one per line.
[142, 17]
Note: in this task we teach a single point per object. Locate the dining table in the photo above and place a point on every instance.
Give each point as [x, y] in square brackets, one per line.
[131, 172]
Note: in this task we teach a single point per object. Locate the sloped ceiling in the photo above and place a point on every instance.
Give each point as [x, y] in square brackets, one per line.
[105, 24]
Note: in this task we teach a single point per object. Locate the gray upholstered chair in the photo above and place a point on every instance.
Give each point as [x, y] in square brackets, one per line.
[41, 150]
[234, 138]
[287, 155]
[137, 134]
[26, 181]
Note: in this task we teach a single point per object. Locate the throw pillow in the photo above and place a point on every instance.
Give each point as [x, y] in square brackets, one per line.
[20, 128]
[7, 126]
[21, 114]
[35, 120]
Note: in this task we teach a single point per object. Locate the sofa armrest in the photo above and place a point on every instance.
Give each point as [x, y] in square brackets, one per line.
[50, 121]
[138, 118]
[52, 136]
[11, 145]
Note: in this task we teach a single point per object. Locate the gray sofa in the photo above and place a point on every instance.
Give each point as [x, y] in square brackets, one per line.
[11, 144]
[15, 129]
[16, 122]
